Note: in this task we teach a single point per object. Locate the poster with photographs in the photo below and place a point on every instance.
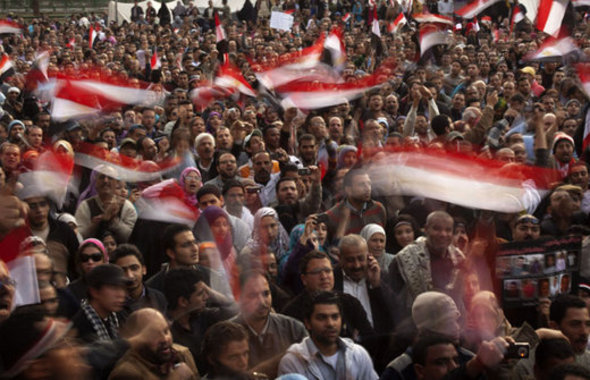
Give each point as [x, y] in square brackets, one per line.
[535, 269]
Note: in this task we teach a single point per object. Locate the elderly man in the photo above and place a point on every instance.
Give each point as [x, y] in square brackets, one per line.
[359, 275]
[430, 263]
[107, 211]
[157, 357]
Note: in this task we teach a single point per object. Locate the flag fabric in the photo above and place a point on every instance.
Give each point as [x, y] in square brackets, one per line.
[346, 17]
[432, 35]
[475, 8]
[164, 202]
[375, 24]
[315, 94]
[581, 3]
[71, 43]
[398, 23]
[50, 177]
[6, 68]
[308, 57]
[222, 45]
[517, 16]
[10, 27]
[583, 71]
[291, 73]
[76, 98]
[205, 94]
[155, 62]
[463, 180]
[432, 18]
[553, 50]
[334, 47]
[92, 36]
[231, 77]
[23, 271]
[550, 16]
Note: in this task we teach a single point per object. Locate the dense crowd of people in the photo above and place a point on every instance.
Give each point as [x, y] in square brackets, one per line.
[290, 264]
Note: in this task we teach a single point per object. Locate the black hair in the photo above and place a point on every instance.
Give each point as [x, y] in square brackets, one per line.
[349, 176]
[420, 348]
[124, 250]
[230, 185]
[560, 305]
[219, 336]
[312, 255]
[320, 298]
[180, 283]
[170, 233]
[554, 348]
[208, 189]
[562, 371]
[439, 124]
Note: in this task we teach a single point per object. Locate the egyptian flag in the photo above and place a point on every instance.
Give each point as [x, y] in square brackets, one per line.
[346, 17]
[397, 24]
[375, 24]
[583, 71]
[6, 68]
[38, 72]
[155, 62]
[71, 43]
[473, 9]
[581, 3]
[334, 50]
[432, 35]
[10, 27]
[221, 38]
[554, 50]
[432, 18]
[230, 77]
[462, 180]
[92, 35]
[517, 16]
[550, 16]
[203, 95]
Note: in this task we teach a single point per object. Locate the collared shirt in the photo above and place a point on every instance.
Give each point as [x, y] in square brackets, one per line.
[268, 194]
[329, 369]
[360, 291]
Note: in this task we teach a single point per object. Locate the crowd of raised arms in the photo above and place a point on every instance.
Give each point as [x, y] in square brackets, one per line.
[187, 192]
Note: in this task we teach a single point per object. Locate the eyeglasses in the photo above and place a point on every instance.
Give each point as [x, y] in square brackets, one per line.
[319, 271]
[7, 281]
[96, 257]
[192, 178]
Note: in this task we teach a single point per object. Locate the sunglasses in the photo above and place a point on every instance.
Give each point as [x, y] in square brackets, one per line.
[96, 257]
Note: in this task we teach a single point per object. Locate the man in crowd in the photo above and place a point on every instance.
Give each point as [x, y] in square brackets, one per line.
[227, 350]
[323, 353]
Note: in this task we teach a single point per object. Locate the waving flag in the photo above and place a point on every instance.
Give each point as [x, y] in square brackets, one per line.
[92, 36]
[581, 3]
[346, 17]
[155, 62]
[204, 95]
[76, 98]
[554, 50]
[10, 27]
[6, 68]
[432, 35]
[432, 18]
[550, 16]
[221, 39]
[397, 24]
[231, 77]
[334, 46]
[517, 16]
[375, 24]
[463, 180]
[475, 8]
[583, 71]
[164, 202]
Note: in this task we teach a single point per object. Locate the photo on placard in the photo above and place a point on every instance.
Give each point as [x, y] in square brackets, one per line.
[554, 285]
[550, 263]
[543, 287]
[536, 263]
[572, 260]
[519, 266]
[565, 283]
[503, 266]
[528, 288]
[512, 289]
[560, 262]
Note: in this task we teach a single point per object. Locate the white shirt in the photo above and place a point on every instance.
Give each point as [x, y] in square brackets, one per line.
[360, 291]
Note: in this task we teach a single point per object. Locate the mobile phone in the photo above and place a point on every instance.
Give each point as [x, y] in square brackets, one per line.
[518, 351]
[252, 190]
[304, 171]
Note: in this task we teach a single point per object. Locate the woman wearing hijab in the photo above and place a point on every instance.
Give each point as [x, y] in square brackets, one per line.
[375, 236]
[190, 181]
[90, 254]
[268, 235]
[214, 226]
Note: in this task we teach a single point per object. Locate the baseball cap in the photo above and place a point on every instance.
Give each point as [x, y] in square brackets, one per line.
[255, 132]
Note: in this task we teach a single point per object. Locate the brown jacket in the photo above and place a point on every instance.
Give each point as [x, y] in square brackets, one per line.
[133, 366]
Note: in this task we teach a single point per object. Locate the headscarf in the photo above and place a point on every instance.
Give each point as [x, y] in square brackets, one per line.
[371, 229]
[203, 230]
[190, 197]
[279, 246]
[489, 301]
[90, 190]
[343, 149]
[98, 244]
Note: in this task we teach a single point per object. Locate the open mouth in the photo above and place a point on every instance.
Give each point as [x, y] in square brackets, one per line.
[4, 305]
